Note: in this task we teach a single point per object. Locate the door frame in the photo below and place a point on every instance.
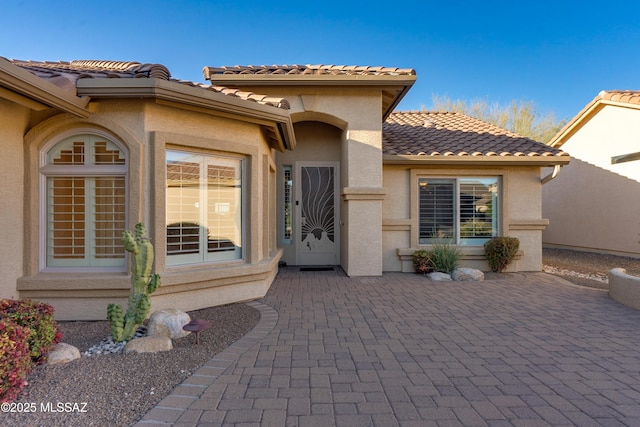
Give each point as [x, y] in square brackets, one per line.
[297, 220]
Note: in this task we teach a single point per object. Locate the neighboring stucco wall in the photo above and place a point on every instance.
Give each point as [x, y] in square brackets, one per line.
[520, 214]
[592, 209]
[13, 122]
[147, 130]
[612, 131]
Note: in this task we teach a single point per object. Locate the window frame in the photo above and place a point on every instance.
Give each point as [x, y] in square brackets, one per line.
[287, 204]
[456, 180]
[46, 171]
[187, 260]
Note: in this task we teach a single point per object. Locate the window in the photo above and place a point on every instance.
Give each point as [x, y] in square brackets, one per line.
[85, 203]
[625, 158]
[461, 210]
[287, 191]
[204, 208]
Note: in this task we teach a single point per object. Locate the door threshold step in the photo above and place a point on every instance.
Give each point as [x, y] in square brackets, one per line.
[316, 268]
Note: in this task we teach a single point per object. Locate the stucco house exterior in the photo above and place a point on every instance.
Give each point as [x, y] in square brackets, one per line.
[593, 205]
[303, 165]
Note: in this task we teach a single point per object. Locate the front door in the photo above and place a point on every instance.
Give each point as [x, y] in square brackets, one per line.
[317, 239]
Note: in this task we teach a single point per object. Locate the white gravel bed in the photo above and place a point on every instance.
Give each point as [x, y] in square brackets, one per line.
[598, 277]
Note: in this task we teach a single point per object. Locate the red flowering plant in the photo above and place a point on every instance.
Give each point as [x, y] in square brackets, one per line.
[15, 359]
[37, 317]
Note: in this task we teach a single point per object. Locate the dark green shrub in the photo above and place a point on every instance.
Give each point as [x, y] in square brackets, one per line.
[445, 257]
[422, 262]
[37, 317]
[500, 252]
[15, 359]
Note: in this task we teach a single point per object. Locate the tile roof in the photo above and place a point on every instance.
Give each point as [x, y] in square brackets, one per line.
[626, 96]
[66, 74]
[24, 83]
[438, 134]
[629, 97]
[309, 70]
[394, 82]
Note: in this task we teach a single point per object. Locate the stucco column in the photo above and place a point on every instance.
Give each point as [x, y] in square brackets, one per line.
[13, 122]
[362, 198]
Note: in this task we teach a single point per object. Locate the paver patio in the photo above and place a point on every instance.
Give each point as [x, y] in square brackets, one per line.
[522, 350]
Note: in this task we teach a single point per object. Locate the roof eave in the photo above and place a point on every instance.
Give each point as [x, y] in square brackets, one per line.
[396, 101]
[394, 159]
[575, 123]
[309, 79]
[584, 116]
[25, 84]
[163, 91]
[400, 83]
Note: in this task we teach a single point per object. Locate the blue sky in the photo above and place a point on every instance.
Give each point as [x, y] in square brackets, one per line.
[558, 54]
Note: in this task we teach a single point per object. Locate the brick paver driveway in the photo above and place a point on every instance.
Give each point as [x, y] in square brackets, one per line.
[526, 350]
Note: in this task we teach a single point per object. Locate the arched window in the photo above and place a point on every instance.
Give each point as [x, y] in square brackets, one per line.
[84, 203]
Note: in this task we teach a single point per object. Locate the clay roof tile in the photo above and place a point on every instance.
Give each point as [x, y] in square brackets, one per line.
[66, 74]
[318, 69]
[454, 134]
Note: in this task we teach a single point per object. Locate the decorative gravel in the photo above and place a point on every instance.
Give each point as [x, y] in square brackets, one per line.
[586, 268]
[108, 346]
[118, 389]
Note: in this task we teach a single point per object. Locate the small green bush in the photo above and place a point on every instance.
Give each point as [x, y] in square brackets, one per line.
[500, 252]
[15, 359]
[43, 332]
[445, 257]
[422, 262]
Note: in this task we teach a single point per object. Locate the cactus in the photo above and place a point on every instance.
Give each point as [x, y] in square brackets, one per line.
[123, 326]
[116, 318]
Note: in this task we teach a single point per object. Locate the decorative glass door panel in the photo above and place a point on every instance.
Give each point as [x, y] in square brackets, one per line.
[318, 235]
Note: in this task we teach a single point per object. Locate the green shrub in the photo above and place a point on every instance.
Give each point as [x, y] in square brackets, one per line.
[500, 252]
[422, 262]
[43, 332]
[445, 257]
[15, 359]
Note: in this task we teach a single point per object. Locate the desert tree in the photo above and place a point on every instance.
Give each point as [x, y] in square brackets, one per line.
[521, 117]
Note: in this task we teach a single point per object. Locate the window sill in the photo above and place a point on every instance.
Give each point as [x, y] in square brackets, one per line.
[72, 281]
[469, 253]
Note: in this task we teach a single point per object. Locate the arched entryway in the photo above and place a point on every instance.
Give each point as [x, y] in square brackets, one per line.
[309, 205]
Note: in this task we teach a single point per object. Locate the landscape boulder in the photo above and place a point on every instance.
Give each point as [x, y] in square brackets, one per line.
[153, 344]
[168, 323]
[63, 353]
[437, 276]
[467, 275]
